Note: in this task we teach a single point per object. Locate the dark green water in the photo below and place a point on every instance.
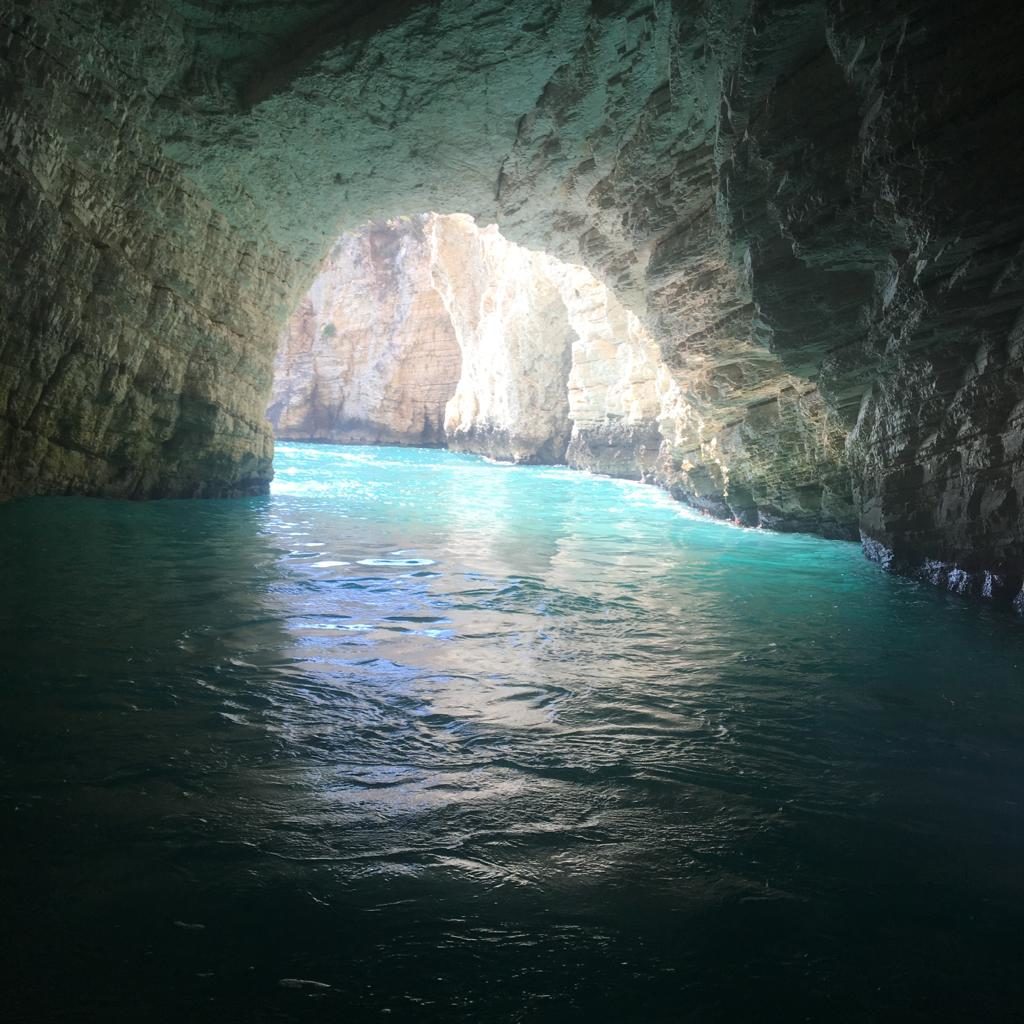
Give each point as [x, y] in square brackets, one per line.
[475, 743]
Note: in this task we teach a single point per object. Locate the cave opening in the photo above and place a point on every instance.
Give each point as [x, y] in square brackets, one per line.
[433, 331]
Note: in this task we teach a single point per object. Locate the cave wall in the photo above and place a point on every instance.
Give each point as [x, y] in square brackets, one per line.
[134, 353]
[864, 167]
[936, 446]
[810, 204]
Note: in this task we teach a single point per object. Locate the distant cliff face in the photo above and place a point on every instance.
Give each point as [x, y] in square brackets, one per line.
[370, 356]
[627, 412]
[512, 399]
[432, 330]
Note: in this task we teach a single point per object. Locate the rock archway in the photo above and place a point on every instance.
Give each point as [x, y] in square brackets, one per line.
[432, 330]
[806, 202]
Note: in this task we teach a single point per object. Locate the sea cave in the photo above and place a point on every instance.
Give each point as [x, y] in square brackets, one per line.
[512, 513]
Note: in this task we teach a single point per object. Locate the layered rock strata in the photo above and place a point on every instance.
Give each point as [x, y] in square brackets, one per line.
[137, 321]
[808, 203]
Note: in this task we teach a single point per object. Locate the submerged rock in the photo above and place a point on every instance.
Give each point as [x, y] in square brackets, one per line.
[303, 983]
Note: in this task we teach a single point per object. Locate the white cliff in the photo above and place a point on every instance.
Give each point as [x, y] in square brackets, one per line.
[370, 356]
[435, 330]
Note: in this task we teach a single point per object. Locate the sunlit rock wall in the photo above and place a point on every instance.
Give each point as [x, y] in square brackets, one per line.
[512, 398]
[625, 408]
[370, 356]
[431, 329]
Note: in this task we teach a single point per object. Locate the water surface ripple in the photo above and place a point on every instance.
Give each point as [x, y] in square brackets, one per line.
[423, 738]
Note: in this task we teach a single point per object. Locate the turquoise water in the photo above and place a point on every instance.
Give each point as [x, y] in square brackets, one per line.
[465, 742]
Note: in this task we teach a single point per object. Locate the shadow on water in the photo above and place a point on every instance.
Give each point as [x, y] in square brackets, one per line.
[420, 738]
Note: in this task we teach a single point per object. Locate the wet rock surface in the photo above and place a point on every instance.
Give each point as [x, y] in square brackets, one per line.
[809, 205]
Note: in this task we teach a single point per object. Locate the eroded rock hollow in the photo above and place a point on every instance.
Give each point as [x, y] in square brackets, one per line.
[810, 206]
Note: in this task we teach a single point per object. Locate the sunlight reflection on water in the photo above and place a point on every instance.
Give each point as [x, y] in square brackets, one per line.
[462, 737]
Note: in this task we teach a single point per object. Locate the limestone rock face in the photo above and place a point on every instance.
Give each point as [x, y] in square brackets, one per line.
[370, 356]
[432, 330]
[624, 405]
[809, 205]
[512, 398]
[134, 346]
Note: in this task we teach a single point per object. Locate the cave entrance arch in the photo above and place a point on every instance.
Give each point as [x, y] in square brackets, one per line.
[431, 330]
[596, 132]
